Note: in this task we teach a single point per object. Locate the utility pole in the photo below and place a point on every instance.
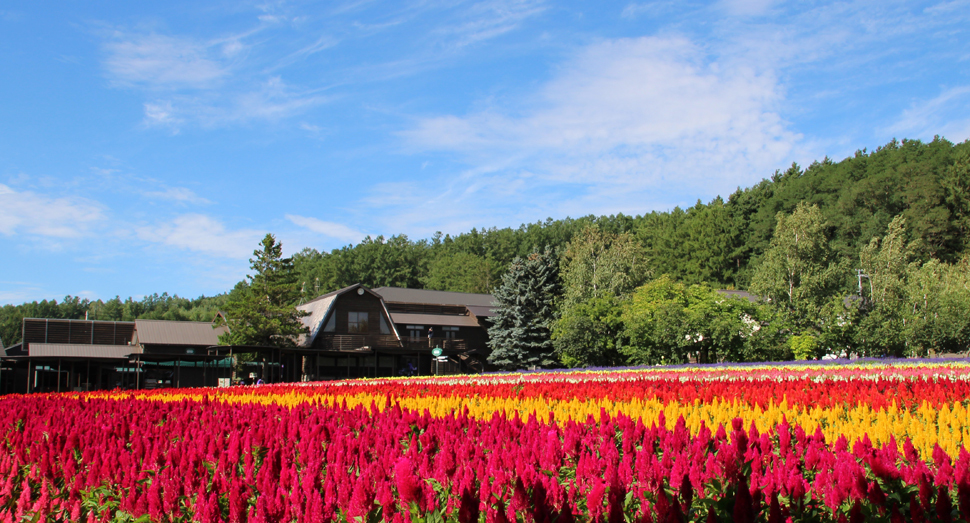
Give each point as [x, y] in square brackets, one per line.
[860, 275]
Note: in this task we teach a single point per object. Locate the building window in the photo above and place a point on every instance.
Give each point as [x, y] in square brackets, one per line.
[416, 332]
[450, 332]
[357, 322]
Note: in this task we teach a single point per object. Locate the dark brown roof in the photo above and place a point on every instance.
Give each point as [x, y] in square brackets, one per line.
[319, 309]
[69, 350]
[16, 349]
[482, 312]
[162, 332]
[89, 332]
[428, 297]
[428, 320]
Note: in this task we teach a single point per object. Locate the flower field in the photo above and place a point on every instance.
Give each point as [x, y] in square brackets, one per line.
[879, 441]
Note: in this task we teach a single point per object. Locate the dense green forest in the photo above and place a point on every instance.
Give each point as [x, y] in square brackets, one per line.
[734, 243]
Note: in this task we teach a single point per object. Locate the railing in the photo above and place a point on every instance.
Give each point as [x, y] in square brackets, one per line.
[445, 343]
[350, 342]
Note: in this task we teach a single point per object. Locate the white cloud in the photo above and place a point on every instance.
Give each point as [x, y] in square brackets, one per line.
[23, 293]
[212, 82]
[322, 43]
[634, 10]
[178, 195]
[160, 61]
[161, 113]
[41, 215]
[625, 119]
[331, 229]
[927, 118]
[203, 234]
[273, 100]
[488, 19]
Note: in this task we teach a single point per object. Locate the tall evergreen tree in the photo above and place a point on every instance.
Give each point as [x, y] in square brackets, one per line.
[265, 313]
[520, 336]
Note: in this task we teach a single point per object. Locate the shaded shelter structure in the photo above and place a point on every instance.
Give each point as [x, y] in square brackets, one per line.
[57, 355]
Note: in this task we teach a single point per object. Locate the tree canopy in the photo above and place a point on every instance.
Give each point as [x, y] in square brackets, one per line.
[265, 312]
[520, 335]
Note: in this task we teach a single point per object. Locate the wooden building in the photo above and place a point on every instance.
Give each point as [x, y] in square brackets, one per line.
[57, 355]
[354, 332]
[361, 332]
[456, 322]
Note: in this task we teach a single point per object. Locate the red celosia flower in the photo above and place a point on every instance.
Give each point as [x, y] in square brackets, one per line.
[408, 486]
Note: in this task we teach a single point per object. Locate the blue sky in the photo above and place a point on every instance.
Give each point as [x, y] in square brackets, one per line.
[147, 147]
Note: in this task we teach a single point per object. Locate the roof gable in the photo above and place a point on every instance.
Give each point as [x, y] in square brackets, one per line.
[321, 307]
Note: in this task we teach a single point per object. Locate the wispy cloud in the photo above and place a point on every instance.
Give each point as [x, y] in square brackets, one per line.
[623, 120]
[18, 296]
[747, 7]
[927, 118]
[162, 62]
[657, 8]
[322, 43]
[325, 228]
[273, 100]
[488, 19]
[181, 195]
[46, 216]
[202, 234]
[161, 113]
[211, 82]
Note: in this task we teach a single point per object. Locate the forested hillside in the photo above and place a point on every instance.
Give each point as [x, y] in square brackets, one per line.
[721, 244]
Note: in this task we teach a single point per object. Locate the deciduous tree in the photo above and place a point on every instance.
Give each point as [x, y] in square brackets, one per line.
[798, 273]
[887, 263]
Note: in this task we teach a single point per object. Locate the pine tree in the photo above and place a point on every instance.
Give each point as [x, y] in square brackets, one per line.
[520, 336]
[265, 313]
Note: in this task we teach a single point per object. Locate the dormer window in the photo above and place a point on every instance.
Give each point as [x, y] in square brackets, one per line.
[357, 322]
